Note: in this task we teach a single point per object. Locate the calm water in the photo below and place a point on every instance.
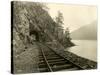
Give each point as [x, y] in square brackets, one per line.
[85, 48]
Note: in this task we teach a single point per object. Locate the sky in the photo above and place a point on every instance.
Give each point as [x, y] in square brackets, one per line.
[75, 16]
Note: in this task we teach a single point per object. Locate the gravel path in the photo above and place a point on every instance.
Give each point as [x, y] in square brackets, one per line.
[26, 62]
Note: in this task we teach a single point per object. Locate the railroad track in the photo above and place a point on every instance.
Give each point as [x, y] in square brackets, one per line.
[50, 61]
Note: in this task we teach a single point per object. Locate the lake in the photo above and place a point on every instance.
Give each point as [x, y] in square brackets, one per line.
[84, 48]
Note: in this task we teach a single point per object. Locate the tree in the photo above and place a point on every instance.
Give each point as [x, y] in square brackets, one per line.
[59, 28]
[67, 39]
[59, 19]
[67, 34]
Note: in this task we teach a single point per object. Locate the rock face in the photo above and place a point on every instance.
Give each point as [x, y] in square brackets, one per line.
[31, 21]
[20, 28]
[28, 17]
[87, 32]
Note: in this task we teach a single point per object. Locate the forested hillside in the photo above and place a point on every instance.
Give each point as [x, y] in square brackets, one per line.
[32, 19]
[87, 32]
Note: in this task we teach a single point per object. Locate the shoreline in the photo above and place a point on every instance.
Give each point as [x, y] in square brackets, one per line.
[83, 62]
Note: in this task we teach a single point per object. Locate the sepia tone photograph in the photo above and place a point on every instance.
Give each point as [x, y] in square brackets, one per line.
[52, 37]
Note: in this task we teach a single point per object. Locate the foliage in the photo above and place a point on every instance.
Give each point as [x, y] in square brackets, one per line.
[30, 17]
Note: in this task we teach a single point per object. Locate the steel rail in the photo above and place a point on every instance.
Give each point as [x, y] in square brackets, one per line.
[64, 58]
[50, 69]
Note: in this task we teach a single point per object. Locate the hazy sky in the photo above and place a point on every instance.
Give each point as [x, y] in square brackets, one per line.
[75, 16]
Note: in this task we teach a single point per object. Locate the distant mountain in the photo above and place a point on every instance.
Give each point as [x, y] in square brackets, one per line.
[87, 32]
